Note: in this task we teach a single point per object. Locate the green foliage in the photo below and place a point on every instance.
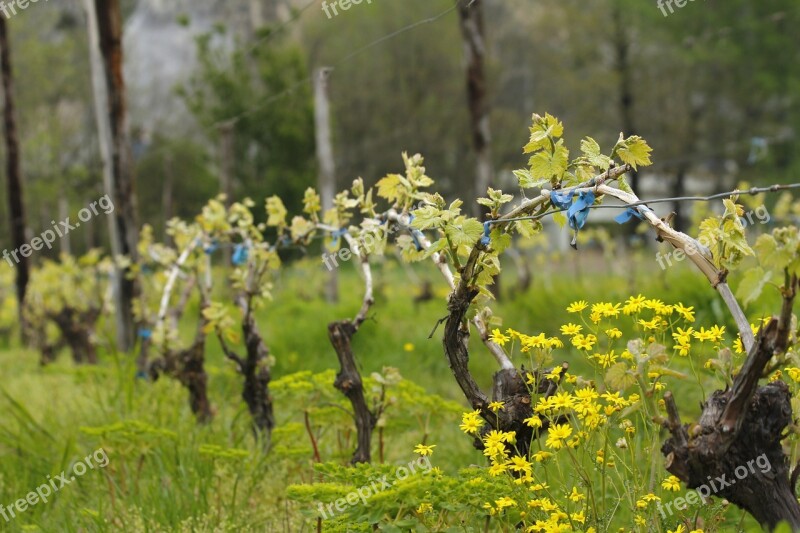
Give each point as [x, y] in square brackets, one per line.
[725, 236]
[273, 144]
[64, 302]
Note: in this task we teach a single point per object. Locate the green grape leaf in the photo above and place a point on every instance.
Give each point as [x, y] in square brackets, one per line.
[276, 212]
[392, 187]
[427, 217]
[619, 377]
[752, 284]
[548, 165]
[591, 151]
[500, 240]
[466, 233]
[527, 181]
[634, 151]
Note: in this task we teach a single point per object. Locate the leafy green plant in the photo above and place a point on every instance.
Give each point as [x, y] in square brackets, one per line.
[71, 294]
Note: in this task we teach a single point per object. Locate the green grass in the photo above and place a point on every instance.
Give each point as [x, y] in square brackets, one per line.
[163, 476]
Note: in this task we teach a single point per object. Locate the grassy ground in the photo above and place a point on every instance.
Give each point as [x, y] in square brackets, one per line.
[166, 473]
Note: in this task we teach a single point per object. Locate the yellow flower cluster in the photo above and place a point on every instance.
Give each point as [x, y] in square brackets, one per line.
[599, 425]
[471, 422]
[527, 342]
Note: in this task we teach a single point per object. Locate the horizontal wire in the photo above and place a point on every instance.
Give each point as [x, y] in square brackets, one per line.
[752, 191]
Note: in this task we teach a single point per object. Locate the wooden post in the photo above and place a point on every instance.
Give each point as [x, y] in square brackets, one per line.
[63, 213]
[13, 172]
[327, 168]
[104, 26]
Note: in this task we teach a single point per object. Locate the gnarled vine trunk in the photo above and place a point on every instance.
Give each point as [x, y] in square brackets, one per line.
[349, 382]
[77, 331]
[257, 376]
[188, 367]
[509, 384]
[738, 426]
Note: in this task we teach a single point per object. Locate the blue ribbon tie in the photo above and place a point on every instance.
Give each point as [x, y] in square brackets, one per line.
[240, 254]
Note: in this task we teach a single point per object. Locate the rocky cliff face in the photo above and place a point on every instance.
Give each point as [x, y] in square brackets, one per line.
[160, 50]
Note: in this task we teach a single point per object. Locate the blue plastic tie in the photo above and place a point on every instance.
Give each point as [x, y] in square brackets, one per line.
[579, 211]
[562, 200]
[211, 247]
[416, 241]
[486, 240]
[627, 215]
[141, 374]
[338, 233]
[240, 253]
[145, 333]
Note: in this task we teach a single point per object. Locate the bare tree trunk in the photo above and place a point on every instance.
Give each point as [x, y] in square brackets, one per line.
[471, 19]
[15, 195]
[105, 43]
[327, 168]
[696, 108]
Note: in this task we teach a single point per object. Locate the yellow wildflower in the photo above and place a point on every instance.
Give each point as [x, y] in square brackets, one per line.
[671, 483]
[686, 312]
[497, 337]
[571, 329]
[577, 307]
[557, 435]
[496, 406]
[471, 422]
[424, 450]
[576, 496]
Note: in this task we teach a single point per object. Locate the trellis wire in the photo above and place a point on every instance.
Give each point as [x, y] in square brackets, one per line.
[752, 192]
